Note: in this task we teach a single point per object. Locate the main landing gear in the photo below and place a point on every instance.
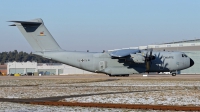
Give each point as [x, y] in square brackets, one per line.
[122, 75]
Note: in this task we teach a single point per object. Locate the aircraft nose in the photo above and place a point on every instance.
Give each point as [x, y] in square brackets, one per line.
[191, 62]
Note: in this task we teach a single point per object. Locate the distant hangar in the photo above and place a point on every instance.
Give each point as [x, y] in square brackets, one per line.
[42, 68]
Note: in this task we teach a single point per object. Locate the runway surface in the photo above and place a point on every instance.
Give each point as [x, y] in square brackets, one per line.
[103, 76]
[71, 90]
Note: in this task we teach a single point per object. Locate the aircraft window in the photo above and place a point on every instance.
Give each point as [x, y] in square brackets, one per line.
[184, 55]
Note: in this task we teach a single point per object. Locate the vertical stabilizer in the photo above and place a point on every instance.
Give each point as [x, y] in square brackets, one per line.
[37, 35]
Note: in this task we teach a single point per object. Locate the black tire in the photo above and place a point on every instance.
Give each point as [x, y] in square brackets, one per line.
[127, 75]
[173, 74]
[124, 75]
[111, 75]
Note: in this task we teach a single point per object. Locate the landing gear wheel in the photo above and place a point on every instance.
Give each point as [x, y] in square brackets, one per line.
[127, 75]
[111, 75]
[173, 74]
[123, 75]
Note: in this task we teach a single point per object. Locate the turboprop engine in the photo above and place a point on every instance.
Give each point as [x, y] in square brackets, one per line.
[138, 58]
[143, 57]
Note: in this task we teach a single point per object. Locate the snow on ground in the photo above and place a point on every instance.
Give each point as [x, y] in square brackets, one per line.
[142, 91]
[14, 107]
[172, 97]
[42, 91]
[48, 88]
[141, 83]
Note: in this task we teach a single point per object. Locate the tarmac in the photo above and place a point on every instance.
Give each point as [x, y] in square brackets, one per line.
[55, 100]
[103, 76]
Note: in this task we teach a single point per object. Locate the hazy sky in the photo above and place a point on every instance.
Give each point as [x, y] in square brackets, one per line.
[98, 25]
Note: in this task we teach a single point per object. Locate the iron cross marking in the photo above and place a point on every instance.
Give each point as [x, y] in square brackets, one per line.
[82, 60]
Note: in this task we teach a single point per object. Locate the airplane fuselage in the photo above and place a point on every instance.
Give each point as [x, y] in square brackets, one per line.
[103, 63]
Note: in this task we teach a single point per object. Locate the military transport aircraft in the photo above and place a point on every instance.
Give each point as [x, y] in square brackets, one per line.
[113, 63]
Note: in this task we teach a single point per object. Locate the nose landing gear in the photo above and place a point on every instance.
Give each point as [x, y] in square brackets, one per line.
[173, 74]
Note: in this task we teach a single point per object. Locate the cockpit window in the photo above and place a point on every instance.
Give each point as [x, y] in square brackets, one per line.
[184, 55]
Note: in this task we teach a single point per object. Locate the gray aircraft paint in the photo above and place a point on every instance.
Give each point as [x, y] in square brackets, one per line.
[37, 35]
[113, 63]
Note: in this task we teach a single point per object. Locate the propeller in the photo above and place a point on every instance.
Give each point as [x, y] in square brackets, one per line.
[148, 59]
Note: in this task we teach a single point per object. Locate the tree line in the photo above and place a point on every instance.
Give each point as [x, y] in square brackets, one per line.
[22, 57]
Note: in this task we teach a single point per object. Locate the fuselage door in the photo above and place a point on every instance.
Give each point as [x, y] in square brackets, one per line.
[102, 65]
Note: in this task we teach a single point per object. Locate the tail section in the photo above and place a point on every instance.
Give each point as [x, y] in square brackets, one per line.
[37, 35]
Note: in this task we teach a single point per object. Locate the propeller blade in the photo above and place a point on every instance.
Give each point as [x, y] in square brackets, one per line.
[147, 54]
[151, 50]
[147, 65]
[148, 58]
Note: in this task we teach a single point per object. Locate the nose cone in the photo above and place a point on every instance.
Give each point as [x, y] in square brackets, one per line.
[191, 62]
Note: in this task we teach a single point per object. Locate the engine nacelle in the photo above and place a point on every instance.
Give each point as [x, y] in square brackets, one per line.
[138, 58]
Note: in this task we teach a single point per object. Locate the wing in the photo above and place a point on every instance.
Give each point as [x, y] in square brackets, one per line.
[123, 52]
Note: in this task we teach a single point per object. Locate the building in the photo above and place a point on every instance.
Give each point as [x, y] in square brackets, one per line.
[43, 68]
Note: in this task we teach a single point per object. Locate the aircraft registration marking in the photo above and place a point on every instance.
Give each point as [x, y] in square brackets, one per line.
[168, 57]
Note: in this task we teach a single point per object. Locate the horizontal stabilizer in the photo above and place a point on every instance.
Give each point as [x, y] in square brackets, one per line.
[123, 52]
[12, 25]
[26, 22]
[29, 26]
